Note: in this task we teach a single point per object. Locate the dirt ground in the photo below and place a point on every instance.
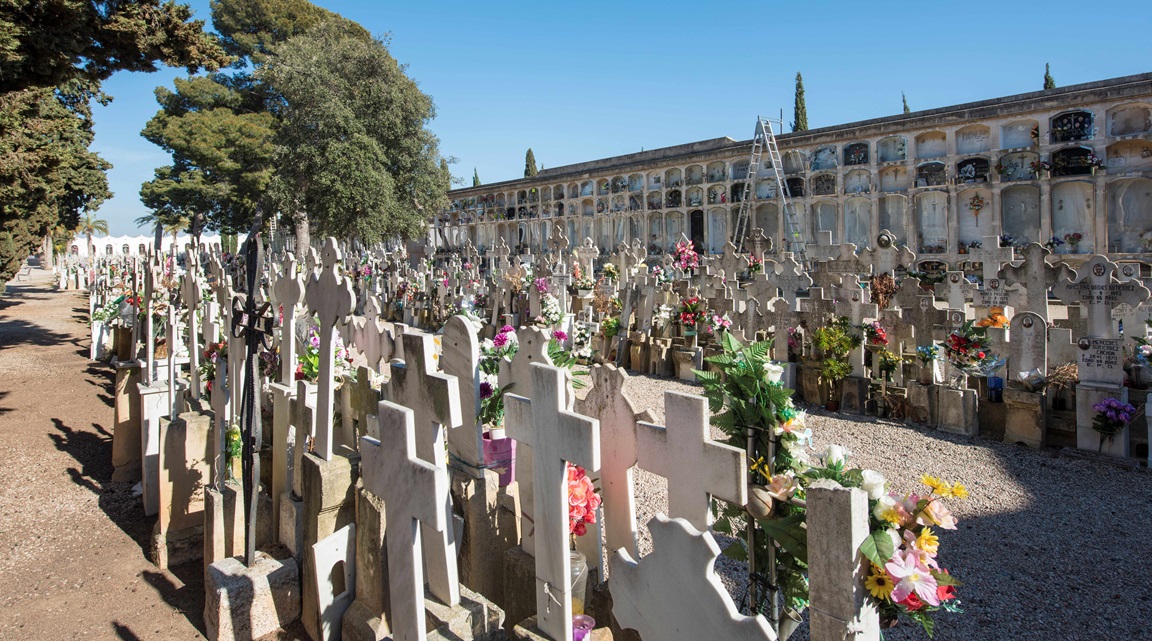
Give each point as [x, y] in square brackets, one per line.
[72, 543]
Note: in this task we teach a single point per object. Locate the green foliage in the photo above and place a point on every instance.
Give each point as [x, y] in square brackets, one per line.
[530, 164]
[789, 532]
[904, 98]
[836, 340]
[1049, 81]
[566, 359]
[492, 408]
[253, 29]
[352, 146]
[877, 547]
[834, 369]
[48, 176]
[799, 107]
[610, 327]
[475, 177]
[51, 43]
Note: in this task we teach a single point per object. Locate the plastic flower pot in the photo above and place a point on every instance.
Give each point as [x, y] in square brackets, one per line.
[500, 455]
[579, 566]
[582, 625]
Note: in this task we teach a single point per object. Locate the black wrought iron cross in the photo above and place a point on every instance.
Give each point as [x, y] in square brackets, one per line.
[255, 324]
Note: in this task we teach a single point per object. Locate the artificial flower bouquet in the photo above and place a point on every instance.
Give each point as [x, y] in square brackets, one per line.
[685, 256]
[690, 312]
[968, 351]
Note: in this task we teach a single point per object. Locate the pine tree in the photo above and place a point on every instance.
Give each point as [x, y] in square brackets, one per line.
[530, 164]
[905, 99]
[475, 177]
[800, 110]
[1049, 81]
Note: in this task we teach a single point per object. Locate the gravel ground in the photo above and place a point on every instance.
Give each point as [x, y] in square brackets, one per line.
[1047, 547]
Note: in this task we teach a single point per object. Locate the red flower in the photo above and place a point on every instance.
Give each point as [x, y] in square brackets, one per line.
[945, 592]
[980, 355]
[912, 602]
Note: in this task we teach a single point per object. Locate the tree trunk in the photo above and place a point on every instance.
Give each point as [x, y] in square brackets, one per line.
[158, 241]
[303, 234]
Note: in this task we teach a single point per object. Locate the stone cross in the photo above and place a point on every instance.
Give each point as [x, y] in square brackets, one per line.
[413, 491]
[1099, 291]
[586, 254]
[791, 278]
[434, 399]
[858, 311]
[1036, 275]
[557, 436]
[958, 286]
[887, 254]
[610, 404]
[329, 296]
[289, 290]
[731, 262]
[1029, 346]
[760, 243]
[781, 316]
[462, 360]
[694, 464]
[190, 296]
[991, 257]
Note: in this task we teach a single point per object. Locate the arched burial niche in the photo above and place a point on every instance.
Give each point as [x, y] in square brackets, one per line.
[740, 170]
[1073, 212]
[1130, 215]
[858, 181]
[546, 193]
[694, 175]
[654, 200]
[765, 189]
[603, 186]
[673, 229]
[932, 218]
[1073, 161]
[794, 162]
[856, 154]
[768, 219]
[655, 180]
[892, 149]
[522, 197]
[619, 184]
[931, 174]
[635, 203]
[636, 182]
[695, 197]
[972, 170]
[975, 216]
[795, 187]
[824, 185]
[674, 198]
[931, 144]
[533, 195]
[894, 179]
[1071, 126]
[1129, 156]
[716, 171]
[673, 178]
[586, 188]
[1020, 134]
[1020, 213]
[824, 218]
[656, 241]
[858, 222]
[973, 139]
[894, 216]
[1127, 120]
[717, 230]
[1017, 166]
[824, 158]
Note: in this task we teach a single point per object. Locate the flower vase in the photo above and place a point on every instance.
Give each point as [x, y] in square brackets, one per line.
[690, 338]
[500, 455]
[578, 563]
[926, 375]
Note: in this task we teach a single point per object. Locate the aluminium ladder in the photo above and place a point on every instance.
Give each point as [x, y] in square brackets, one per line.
[764, 138]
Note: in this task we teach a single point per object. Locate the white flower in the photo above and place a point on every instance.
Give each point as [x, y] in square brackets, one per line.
[835, 454]
[873, 484]
[882, 505]
[775, 372]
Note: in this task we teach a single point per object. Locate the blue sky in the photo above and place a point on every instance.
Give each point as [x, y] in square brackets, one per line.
[581, 81]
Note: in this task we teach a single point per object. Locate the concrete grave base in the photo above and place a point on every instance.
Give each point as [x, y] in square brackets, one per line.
[491, 530]
[475, 619]
[810, 388]
[176, 547]
[957, 411]
[224, 522]
[126, 432]
[526, 630]
[1025, 417]
[519, 585]
[292, 524]
[853, 391]
[685, 361]
[600, 608]
[924, 404]
[329, 504]
[1087, 395]
[243, 603]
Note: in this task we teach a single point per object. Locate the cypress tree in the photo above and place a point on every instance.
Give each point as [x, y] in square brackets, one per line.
[1049, 81]
[475, 177]
[905, 99]
[800, 110]
[530, 164]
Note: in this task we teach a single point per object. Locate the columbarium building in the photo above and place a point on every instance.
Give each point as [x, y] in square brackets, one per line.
[1070, 167]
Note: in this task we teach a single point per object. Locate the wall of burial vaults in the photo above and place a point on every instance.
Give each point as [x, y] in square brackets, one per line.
[1130, 215]
[1020, 213]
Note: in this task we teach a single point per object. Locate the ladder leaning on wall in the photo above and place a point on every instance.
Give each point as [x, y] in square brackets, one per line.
[763, 139]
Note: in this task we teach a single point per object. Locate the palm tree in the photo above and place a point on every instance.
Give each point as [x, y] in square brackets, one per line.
[163, 221]
[90, 226]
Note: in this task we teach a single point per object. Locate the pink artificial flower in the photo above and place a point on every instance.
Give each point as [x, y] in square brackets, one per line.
[506, 329]
[912, 577]
[559, 335]
[936, 514]
[500, 340]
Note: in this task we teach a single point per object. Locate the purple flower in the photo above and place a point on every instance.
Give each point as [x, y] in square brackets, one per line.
[506, 329]
[486, 389]
[559, 335]
[500, 340]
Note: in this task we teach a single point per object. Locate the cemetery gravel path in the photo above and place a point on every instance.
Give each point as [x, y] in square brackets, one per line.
[72, 560]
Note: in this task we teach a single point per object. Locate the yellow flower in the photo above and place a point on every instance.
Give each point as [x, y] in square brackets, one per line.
[927, 541]
[892, 516]
[959, 491]
[879, 584]
[760, 466]
[940, 488]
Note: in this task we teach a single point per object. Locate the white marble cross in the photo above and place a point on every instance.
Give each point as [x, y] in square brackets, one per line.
[610, 404]
[557, 436]
[190, 296]
[1098, 291]
[289, 290]
[462, 360]
[694, 464]
[413, 491]
[1036, 275]
[434, 399]
[330, 298]
[791, 278]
